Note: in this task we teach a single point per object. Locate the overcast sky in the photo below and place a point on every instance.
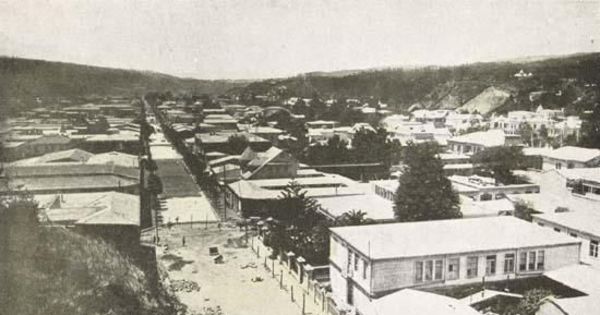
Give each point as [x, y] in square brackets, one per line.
[272, 38]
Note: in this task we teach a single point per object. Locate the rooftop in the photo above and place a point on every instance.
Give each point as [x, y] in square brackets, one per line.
[413, 302]
[583, 220]
[375, 207]
[570, 153]
[222, 137]
[489, 138]
[414, 239]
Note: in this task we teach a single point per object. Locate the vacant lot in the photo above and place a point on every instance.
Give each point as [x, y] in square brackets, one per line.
[227, 285]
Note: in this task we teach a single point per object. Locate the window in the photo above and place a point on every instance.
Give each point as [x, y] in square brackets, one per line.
[490, 265]
[453, 269]
[472, 267]
[509, 263]
[356, 262]
[594, 248]
[558, 166]
[540, 260]
[557, 230]
[531, 265]
[573, 235]
[365, 269]
[522, 261]
[540, 224]
[419, 271]
[428, 270]
[349, 262]
[439, 265]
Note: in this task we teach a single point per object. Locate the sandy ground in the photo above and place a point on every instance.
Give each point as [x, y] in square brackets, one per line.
[226, 285]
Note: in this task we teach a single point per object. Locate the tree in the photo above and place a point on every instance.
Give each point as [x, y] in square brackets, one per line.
[526, 133]
[354, 217]
[19, 228]
[500, 161]
[530, 303]
[590, 130]
[523, 211]
[296, 209]
[369, 145]
[425, 193]
[237, 143]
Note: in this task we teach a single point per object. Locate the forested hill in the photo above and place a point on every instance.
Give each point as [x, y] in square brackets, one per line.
[556, 82]
[26, 78]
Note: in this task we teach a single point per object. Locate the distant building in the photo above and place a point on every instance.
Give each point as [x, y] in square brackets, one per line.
[472, 143]
[571, 157]
[371, 261]
[218, 141]
[37, 146]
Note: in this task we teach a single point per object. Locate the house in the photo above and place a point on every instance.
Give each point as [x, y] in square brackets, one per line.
[80, 157]
[571, 157]
[219, 141]
[111, 216]
[70, 178]
[127, 142]
[260, 197]
[581, 224]
[272, 163]
[371, 261]
[39, 145]
[269, 133]
[474, 142]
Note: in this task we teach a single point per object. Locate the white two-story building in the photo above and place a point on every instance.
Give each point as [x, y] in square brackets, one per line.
[371, 261]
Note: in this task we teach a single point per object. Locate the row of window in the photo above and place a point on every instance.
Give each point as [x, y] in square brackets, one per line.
[432, 270]
[593, 250]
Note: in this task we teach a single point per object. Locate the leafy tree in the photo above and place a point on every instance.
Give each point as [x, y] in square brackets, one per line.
[335, 151]
[590, 130]
[523, 211]
[369, 145]
[425, 193]
[500, 161]
[354, 217]
[526, 133]
[530, 303]
[237, 143]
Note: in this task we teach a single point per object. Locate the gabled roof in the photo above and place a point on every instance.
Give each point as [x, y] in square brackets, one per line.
[577, 154]
[260, 160]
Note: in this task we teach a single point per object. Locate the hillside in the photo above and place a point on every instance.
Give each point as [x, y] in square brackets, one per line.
[557, 81]
[67, 273]
[26, 78]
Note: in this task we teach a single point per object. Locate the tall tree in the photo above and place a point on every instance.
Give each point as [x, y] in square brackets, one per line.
[590, 131]
[500, 161]
[425, 193]
[296, 209]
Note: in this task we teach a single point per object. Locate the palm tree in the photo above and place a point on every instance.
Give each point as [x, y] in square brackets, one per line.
[354, 217]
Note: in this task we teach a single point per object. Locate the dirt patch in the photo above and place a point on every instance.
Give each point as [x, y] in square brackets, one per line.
[176, 262]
